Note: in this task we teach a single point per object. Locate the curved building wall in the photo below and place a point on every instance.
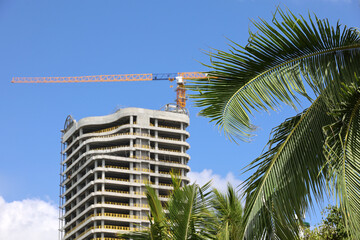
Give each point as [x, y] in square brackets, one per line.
[106, 163]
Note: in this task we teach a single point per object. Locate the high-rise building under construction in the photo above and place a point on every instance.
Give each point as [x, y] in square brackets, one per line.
[106, 163]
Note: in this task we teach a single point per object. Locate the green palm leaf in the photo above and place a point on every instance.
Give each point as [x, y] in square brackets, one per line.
[228, 211]
[342, 149]
[185, 216]
[188, 213]
[271, 68]
[159, 228]
[287, 176]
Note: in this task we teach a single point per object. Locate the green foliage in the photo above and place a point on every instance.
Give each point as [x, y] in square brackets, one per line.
[228, 213]
[270, 69]
[342, 150]
[314, 151]
[184, 217]
[331, 228]
[286, 174]
[192, 213]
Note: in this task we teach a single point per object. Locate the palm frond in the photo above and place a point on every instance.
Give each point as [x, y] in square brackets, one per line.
[287, 176]
[228, 211]
[270, 69]
[185, 216]
[159, 228]
[342, 150]
[188, 212]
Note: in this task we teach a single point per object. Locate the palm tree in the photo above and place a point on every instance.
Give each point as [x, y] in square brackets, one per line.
[184, 217]
[307, 154]
[228, 212]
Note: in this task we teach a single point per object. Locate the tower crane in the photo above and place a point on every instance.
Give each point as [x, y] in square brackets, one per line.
[179, 77]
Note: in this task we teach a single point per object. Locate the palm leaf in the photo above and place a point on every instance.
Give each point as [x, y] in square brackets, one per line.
[287, 176]
[159, 228]
[188, 212]
[342, 149]
[228, 211]
[270, 69]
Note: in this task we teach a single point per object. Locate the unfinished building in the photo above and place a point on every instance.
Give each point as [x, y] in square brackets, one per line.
[106, 163]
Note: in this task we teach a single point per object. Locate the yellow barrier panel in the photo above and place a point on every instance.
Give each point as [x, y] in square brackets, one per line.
[107, 227]
[116, 215]
[142, 157]
[143, 170]
[84, 233]
[125, 168]
[142, 181]
[171, 171]
[142, 146]
[169, 150]
[112, 135]
[110, 148]
[116, 227]
[141, 205]
[165, 184]
[162, 126]
[139, 193]
[171, 139]
[117, 179]
[117, 191]
[106, 129]
[170, 161]
[115, 203]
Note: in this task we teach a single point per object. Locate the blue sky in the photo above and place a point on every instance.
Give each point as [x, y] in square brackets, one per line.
[88, 37]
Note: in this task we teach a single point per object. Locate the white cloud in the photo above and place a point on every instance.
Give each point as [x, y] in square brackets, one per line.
[218, 182]
[29, 219]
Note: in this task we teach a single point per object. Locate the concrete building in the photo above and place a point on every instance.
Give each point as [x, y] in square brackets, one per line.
[106, 162]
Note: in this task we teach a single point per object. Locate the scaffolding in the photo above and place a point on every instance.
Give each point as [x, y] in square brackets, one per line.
[61, 190]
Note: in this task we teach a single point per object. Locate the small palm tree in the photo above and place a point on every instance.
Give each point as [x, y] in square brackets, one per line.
[316, 150]
[228, 212]
[184, 217]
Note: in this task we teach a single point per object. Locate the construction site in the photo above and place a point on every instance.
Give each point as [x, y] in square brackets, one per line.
[92, 135]
[106, 161]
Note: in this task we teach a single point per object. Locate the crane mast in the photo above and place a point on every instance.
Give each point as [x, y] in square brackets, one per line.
[180, 78]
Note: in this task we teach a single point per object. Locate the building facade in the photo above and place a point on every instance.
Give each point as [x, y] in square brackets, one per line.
[107, 162]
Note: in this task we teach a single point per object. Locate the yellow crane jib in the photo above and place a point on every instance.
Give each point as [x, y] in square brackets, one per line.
[180, 78]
